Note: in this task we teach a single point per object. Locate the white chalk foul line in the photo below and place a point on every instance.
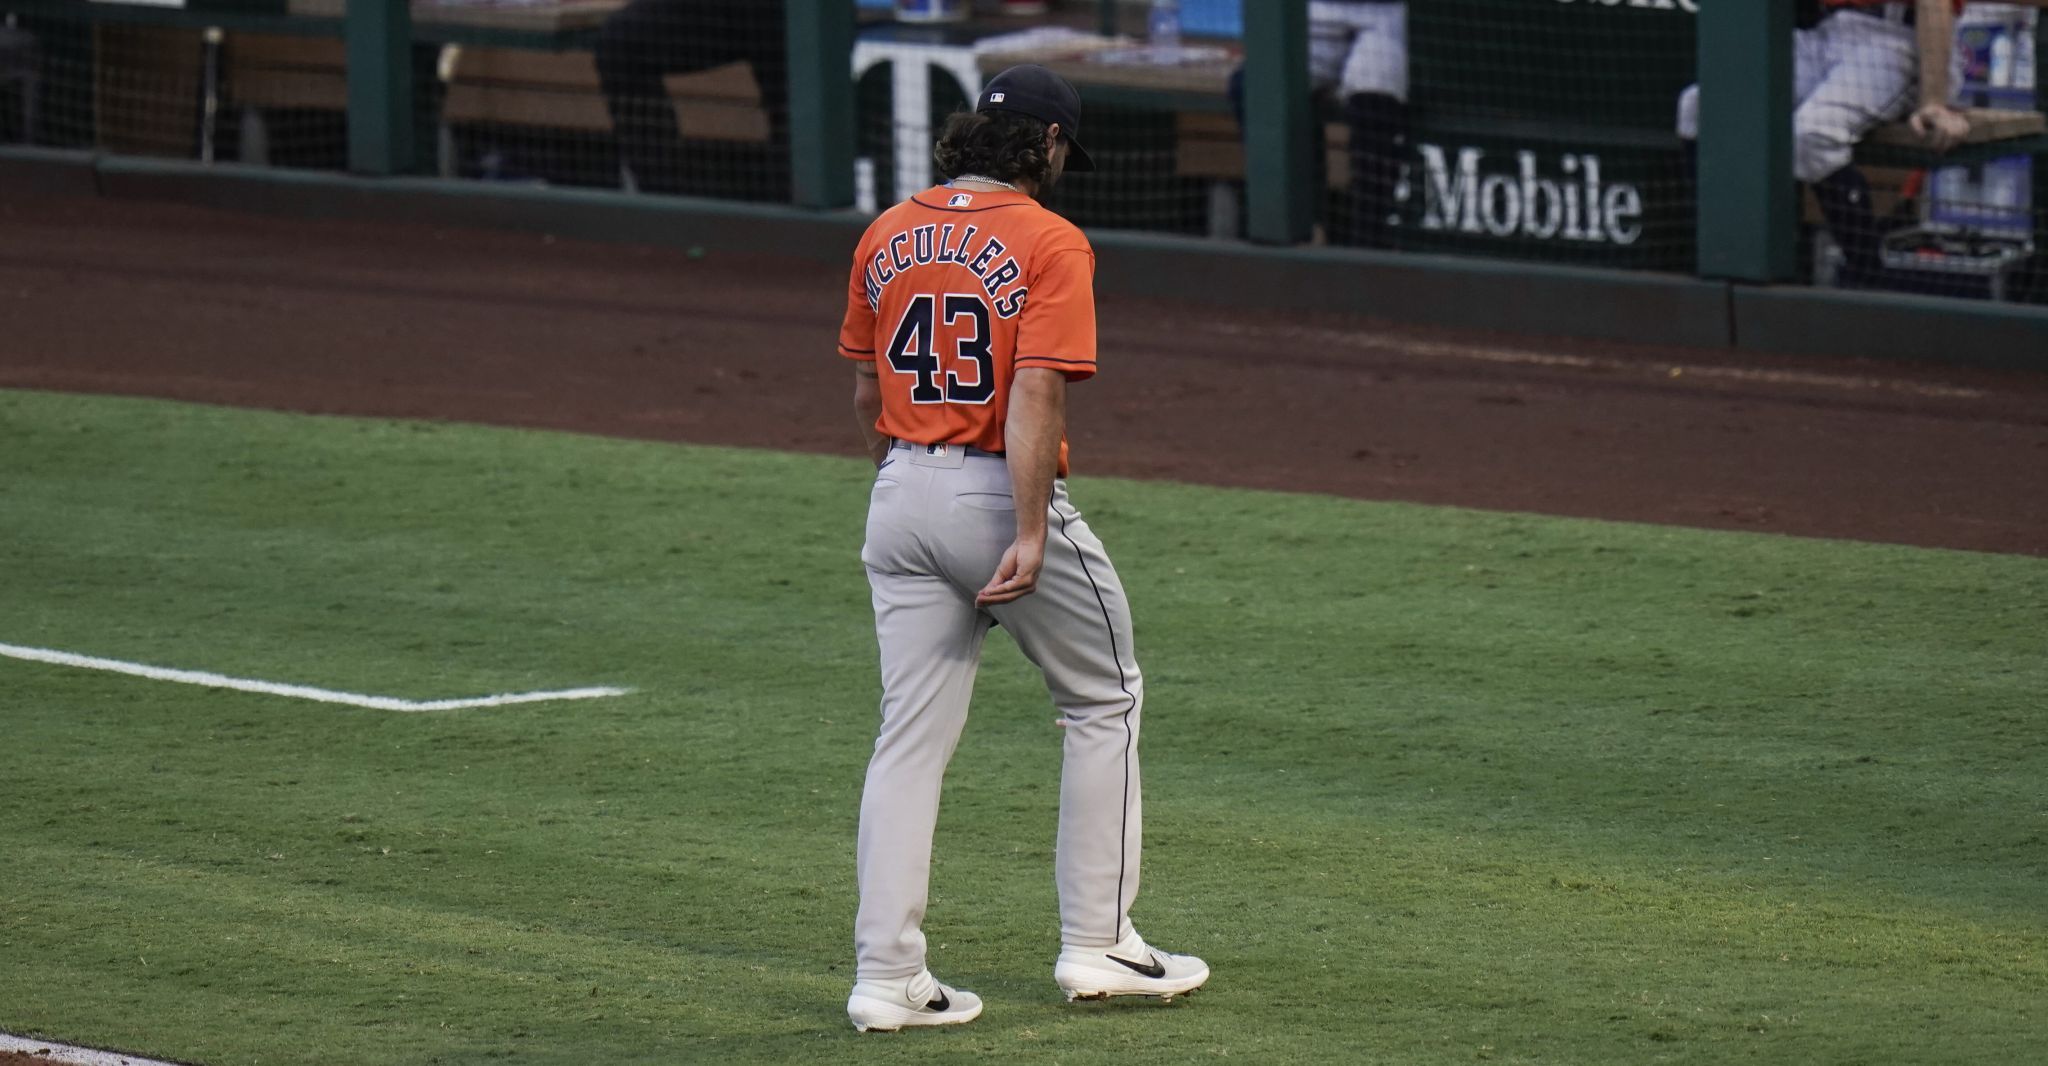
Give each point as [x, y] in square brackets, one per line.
[77, 1056]
[297, 692]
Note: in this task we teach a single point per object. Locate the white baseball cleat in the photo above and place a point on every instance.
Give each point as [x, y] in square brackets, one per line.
[1130, 968]
[886, 1006]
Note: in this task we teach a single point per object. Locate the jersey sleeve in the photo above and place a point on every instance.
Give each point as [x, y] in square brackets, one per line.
[857, 332]
[1057, 331]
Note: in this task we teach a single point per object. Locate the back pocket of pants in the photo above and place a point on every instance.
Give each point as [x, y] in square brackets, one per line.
[986, 501]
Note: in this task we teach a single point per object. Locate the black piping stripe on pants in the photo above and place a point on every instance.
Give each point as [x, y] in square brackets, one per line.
[1122, 682]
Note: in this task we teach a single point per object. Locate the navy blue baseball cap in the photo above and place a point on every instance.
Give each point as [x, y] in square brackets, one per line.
[1033, 90]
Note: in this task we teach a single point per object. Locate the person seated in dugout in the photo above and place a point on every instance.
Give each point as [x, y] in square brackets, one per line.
[647, 40]
[1858, 64]
[1358, 53]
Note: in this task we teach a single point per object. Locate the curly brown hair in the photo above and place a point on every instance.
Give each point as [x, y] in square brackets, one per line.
[1003, 145]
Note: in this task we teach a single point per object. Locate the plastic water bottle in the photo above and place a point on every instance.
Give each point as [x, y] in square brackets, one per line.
[2002, 47]
[1163, 30]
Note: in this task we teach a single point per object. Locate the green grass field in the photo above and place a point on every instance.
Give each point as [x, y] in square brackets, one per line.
[1423, 785]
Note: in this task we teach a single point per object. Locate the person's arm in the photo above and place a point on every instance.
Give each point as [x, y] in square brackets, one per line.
[867, 408]
[857, 343]
[1941, 126]
[1031, 444]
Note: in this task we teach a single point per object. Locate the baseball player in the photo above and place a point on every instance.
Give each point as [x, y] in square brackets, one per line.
[1857, 68]
[970, 309]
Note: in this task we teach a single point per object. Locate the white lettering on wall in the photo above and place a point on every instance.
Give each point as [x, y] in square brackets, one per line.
[1576, 205]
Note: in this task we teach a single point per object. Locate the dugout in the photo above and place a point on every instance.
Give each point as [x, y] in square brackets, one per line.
[1508, 105]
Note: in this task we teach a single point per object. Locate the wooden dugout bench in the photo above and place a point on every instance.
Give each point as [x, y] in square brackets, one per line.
[480, 85]
[164, 76]
[510, 87]
[1994, 132]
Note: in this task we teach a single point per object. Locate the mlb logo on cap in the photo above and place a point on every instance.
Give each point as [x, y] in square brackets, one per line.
[995, 98]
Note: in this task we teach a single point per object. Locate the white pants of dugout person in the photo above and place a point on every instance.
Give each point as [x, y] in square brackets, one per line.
[1851, 73]
[938, 525]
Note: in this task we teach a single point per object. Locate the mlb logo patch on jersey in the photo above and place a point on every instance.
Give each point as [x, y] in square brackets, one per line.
[959, 199]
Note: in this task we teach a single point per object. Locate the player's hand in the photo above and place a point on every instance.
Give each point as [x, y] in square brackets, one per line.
[1940, 126]
[1016, 576]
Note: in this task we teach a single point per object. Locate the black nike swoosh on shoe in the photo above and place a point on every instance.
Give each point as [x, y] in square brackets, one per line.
[940, 1004]
[1155, 969]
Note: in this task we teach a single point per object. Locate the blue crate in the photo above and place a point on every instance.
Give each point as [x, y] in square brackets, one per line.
[1212, 18]
[1996, 195]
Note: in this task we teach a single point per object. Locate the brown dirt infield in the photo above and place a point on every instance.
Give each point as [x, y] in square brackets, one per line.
[516, 329]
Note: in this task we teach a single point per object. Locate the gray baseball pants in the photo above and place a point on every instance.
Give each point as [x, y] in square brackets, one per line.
[937, 528]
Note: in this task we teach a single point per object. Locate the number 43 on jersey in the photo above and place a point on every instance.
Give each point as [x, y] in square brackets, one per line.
[915, 349]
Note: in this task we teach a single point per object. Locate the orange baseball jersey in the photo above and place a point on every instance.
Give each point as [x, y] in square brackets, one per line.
[952, 293]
